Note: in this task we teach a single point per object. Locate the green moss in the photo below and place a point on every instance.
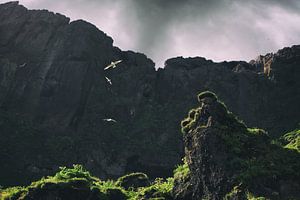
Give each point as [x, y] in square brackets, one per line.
[185, 122]
[159, 189]
[207, 94]
[257, 131]
[254, 156]
[185, 125]
[133, 180]
[66, 178]
[291, 140]
[181, 171]
[192, 113]
[228, 118]
[250, 196]
[12, 193]
[191, 121]
[79, 179]
[233, 193]
[76, 172]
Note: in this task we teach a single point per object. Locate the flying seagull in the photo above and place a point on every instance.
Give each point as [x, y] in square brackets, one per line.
[108, 80]
[109, 120]
[112, 64]
[23, 65]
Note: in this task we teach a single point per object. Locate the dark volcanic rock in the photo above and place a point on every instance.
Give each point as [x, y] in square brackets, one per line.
[54, 97]
[227, 160]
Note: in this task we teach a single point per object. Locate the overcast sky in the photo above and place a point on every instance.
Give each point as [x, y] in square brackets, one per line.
[215, 29]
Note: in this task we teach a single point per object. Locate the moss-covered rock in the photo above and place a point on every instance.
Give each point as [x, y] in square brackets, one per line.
[77, 183]
[291, 140]
[223, 153]
[67, 184]
[160, 189]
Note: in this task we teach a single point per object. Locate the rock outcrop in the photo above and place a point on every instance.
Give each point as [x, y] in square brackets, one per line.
[54, 97]
[227, 160]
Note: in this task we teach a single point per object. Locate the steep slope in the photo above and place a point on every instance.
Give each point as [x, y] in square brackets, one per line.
[54, 97]
[227, 160]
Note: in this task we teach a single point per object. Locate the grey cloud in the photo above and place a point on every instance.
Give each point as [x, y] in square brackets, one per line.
[217, 29]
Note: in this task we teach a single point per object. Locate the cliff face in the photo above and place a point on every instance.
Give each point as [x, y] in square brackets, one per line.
[54, 97]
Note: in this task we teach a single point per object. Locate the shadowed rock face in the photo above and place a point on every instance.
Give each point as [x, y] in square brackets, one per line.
[54, 97]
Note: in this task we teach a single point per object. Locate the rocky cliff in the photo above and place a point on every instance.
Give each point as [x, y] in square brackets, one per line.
[54, 97]
[226, 160]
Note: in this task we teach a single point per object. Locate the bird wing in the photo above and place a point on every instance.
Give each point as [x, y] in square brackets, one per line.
[108, 80]
[118, 61]
[113, 64]
[23, 65]
[108, 66]
[109, 120]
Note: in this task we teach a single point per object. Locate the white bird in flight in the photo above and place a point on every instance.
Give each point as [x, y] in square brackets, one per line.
[112, 64]
[108, 80]
[109, 120]
[23, 65]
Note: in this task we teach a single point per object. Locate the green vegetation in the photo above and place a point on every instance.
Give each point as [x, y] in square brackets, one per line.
[191, 121]
[79, 181]
[233, 193]
[256, 160]
[12, 193]
[252, 197]
[252, 157]
[160, 189]
[182, 170]
[76, 180]
[133, 180]
[257, 131]
[238, 193]
[291, 140]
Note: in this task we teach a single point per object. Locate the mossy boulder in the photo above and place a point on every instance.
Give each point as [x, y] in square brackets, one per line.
[78, 183]
[66, 184]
